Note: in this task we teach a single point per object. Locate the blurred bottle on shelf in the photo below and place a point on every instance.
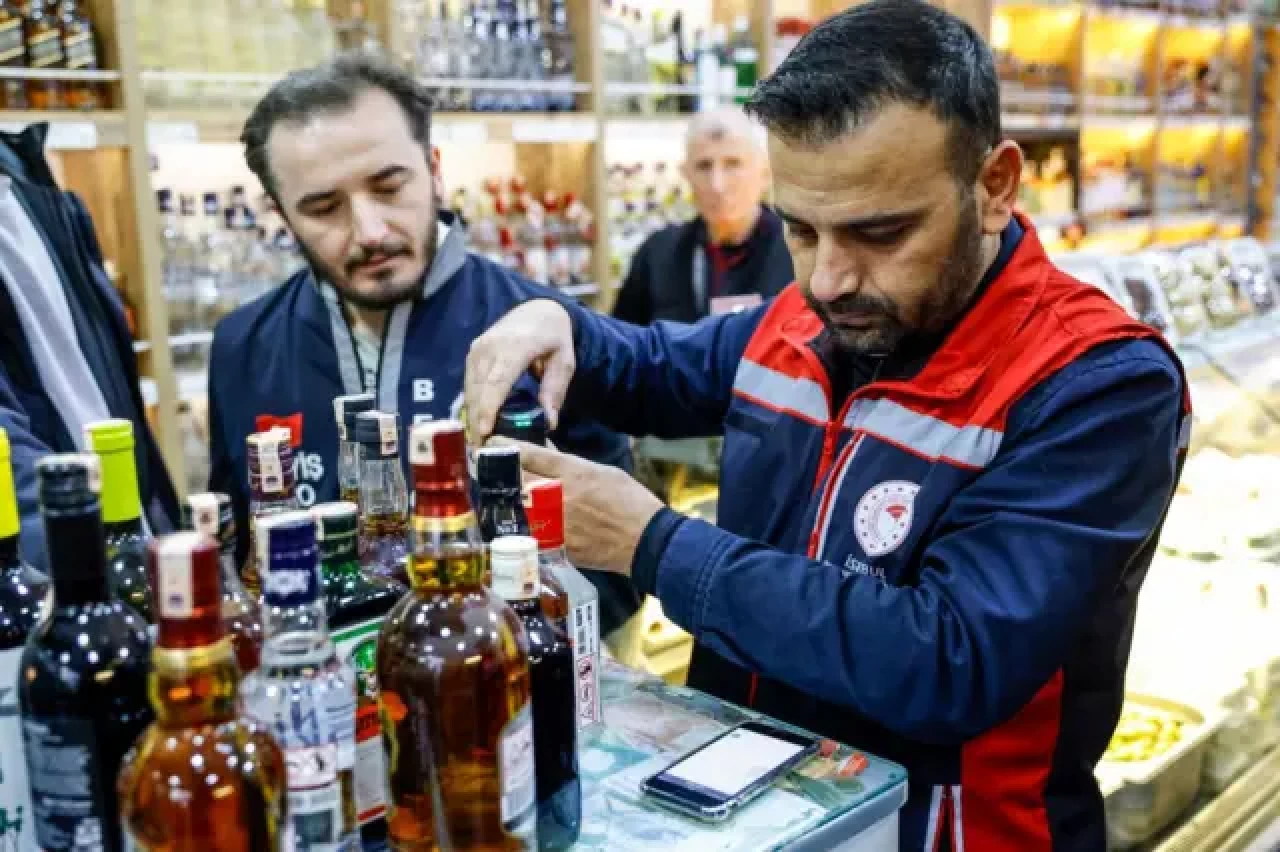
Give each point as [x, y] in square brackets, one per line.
[746, 58]
[787, 34]
[560, 56]
[13, 52]
[81, 54]
[44, 53]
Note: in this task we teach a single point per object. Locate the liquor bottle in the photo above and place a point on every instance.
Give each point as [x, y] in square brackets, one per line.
[357, 603]
[22, 594]
[13, 53]
[746, 57]
[514, 561]
[44, 53]
[83, 688]
[522, 423]
[502, 513]
[127, 539]
[200, 779]
[302, 693]
[212, 515]
[456, 716]
[544, 501]
[384, 499]
[81, 54]
[345, 409]
[272, 480]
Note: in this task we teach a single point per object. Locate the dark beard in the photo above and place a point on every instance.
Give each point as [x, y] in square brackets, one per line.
[946, 300]
[404, 291]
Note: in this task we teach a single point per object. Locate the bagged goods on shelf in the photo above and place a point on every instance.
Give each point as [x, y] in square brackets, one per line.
[1147, 302]
[1206, 271]
[1185, 305]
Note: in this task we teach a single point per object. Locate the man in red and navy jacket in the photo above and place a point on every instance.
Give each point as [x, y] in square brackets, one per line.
[946, 462]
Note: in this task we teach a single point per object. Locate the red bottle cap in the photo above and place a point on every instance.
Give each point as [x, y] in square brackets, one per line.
[544, 507]
[187, 590]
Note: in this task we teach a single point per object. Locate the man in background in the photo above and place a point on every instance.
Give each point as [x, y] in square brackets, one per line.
[732, 254]
[390, 299]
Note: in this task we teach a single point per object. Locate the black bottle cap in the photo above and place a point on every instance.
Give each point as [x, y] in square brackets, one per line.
[523, 424]
[211, 513]
[335, 520]
[347, 408]
[69, 482]
[498, 468]
[378, 432]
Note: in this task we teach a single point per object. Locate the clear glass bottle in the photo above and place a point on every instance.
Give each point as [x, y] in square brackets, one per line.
[384, 499]
[453, 674]
[83, 685]
[345, 410]
[22, 595]
[272, 483]
[514, 563]
[357, 603]
[544, 502]
[303, 693]
[212, 515]
[200, 779]
[127, 538]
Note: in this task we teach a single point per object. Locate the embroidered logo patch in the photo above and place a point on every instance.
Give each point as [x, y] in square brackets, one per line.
[882, 519]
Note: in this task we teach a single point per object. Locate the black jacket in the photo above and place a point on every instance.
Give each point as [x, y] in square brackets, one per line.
[34, 426]
[660, 282]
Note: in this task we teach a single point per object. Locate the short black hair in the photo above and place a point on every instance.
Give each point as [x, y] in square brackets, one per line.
[883, 52]
[332, 86]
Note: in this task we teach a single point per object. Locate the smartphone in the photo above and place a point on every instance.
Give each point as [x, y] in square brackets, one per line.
[712, 781]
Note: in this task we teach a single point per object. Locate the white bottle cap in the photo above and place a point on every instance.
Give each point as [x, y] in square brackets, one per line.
[514, 562]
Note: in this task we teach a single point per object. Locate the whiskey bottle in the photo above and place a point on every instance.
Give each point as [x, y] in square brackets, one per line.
[384, 500]
[302, 692]
[502, 513]
[345, 409]
[357, 603]
[272, 480]
[44, 53]
[200, 779]
[13, 54]
[127, 539]
[83, 689]
[81, 54]
[514, 562]
[544, 500]
[22, 594]
[212, 516]
[456, 715]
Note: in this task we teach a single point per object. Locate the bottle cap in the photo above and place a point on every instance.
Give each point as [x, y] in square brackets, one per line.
[345, 409]
[336, 520]
[270, 456]
[211, 514]
[9, 521]
[109, 436]
[498, 468]
[187, 586]
[69, 482]
[514, 561]
[292, 577]
[438, 453]
[544, 507]
[378, 432]
[522, 423]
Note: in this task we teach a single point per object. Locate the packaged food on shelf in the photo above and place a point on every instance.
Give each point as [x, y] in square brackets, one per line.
[1143, 294]
[1249, 273]
[1207, 273]
[1166, 746]
[1186, 307]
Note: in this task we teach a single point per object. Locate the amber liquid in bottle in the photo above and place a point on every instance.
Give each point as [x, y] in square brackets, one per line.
[44, 53]
[453, 674]
[200, 779]
[81, 54]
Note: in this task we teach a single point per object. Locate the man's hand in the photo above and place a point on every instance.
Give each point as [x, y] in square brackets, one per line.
[605, 510]
[535, 336]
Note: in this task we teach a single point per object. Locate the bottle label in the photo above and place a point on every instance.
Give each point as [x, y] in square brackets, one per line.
[174, 597]
[16, 830]
[387, 435]
[315, 796]
[285, 586]
[45, 49]
[79, 51]
[515, 763]
[586, 656]
[358, 645]
[65, 783]
[11, 45]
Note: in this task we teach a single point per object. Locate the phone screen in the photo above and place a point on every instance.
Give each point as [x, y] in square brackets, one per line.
[734, 762]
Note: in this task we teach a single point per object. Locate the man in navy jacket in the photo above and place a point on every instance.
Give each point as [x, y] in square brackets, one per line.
[390, 302]
[946, 462]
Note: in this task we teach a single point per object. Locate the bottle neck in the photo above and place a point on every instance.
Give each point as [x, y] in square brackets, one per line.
[348, 464]
[130, 526]
[10, 553]
[382, 488]
[194, 686]
[231, 584]
[120, 499]
[265, 504]
[77, 557]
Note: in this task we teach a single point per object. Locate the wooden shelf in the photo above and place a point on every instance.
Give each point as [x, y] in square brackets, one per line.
[70, 130]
